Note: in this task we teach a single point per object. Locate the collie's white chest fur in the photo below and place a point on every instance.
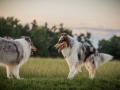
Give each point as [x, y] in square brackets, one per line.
[70, 54]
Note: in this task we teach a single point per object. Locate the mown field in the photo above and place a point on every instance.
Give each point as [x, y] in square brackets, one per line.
[51, 74]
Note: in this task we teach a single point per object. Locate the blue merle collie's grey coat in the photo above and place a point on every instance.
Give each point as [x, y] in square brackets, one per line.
[14, 53]
[11, 52]
[76, 53]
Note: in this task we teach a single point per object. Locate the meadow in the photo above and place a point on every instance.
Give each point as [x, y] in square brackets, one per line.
[51, 74]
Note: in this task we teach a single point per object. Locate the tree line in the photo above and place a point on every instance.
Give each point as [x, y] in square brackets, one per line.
[44, 38]
[111, 46]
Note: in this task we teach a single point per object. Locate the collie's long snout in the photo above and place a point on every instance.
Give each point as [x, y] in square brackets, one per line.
[55, 46]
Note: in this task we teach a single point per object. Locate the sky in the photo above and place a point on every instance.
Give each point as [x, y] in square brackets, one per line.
[99, 17]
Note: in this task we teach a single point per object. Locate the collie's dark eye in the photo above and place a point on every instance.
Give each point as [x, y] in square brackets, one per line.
[60, 41]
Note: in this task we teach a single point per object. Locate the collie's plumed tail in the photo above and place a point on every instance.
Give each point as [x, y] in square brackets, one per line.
[104, 58]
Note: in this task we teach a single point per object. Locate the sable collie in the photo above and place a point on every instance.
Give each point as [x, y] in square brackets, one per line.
[14, 53]
[76, 53]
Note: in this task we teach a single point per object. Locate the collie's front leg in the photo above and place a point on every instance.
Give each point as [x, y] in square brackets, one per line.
[72, 72]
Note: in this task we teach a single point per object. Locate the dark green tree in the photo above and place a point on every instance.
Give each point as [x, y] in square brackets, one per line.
[39, 38]
[10, 26]
[64, 30]
[85, 38]
[111, 46]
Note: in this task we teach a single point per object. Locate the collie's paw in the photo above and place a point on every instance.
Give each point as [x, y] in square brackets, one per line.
[69, 78]
[20, 78]
[10, 77]
[92, 76]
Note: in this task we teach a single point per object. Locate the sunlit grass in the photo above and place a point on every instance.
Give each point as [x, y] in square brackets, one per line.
[51, 74]
[42, 68]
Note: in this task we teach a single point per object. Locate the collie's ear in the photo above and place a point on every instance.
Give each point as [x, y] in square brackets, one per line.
[28, 39]
[64, 35]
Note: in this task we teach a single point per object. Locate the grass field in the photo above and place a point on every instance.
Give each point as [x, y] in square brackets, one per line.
[51, 74]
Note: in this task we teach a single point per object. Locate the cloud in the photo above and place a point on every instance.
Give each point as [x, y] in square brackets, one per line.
[97, 33]
[96, 29]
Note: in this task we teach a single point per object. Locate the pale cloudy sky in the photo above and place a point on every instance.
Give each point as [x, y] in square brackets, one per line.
[99, 17]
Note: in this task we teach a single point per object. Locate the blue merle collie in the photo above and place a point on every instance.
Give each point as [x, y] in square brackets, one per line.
[77, 53]
[14, 53]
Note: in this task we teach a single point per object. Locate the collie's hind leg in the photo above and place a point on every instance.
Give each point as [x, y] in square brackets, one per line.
[9, 73]
[91, 68]
[15, 71]
[78, 67]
